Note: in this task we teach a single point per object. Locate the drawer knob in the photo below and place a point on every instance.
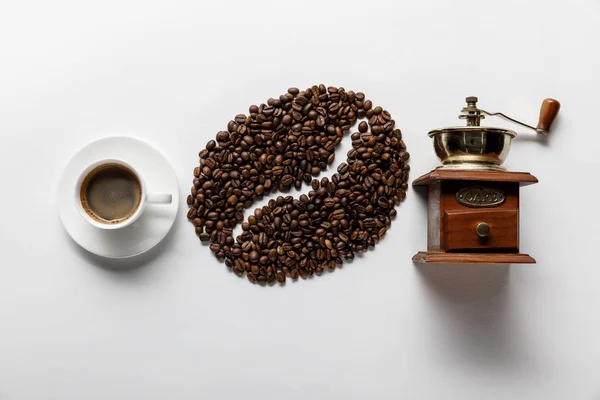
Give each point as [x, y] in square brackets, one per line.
[483, 229]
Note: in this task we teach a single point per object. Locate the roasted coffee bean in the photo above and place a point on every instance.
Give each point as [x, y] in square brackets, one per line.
[280, 145]
[280, 277]
[363, 127]
[294, 274]
[370, 222]
[338, 214]
[287, 180]
[246, 247]
[329, 202]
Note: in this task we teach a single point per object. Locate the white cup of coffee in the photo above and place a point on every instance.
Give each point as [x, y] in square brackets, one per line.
[110, 194]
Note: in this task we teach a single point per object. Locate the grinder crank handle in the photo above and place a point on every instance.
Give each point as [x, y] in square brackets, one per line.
[548, 112]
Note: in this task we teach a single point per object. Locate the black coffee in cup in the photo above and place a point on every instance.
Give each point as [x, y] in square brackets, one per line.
[111, 193]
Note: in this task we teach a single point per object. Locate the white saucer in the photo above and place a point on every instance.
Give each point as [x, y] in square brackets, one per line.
[152, 226]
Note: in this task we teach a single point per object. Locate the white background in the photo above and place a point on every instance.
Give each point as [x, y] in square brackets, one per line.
[178, 325]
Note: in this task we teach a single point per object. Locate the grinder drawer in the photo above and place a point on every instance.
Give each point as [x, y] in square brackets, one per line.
[490, 230]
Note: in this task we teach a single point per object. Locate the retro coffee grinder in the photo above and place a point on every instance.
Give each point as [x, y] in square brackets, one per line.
[473, 211]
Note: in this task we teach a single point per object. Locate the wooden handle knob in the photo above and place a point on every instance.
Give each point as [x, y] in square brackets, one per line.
[548, 112]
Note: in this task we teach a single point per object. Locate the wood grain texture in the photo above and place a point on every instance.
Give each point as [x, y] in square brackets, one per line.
[451, 225]
[548, 112]
[450, 188]
[523, 178]
[460, 234]
[449, 204]
[472, 258]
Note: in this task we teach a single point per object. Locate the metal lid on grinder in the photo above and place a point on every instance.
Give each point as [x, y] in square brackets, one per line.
[479, 147]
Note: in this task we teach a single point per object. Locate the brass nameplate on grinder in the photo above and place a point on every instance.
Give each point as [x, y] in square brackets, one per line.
[479, 196]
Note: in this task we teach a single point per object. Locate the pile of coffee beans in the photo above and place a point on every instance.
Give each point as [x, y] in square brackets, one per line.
[283, 144]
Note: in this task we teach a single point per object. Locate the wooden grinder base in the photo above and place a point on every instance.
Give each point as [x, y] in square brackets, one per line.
[472, 258]
[451, 233]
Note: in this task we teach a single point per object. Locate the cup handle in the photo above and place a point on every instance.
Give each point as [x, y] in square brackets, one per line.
[159, 198]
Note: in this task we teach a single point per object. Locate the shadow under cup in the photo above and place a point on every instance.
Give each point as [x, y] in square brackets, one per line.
[111, 193]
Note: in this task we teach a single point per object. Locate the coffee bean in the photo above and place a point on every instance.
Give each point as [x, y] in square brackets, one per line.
[232, 200]
[363, 127]
[282, 144]
[329, 202]
[338, 214]
[280, 277]
[192, 213]
[287, 180]
[370, 222]
[205, 237]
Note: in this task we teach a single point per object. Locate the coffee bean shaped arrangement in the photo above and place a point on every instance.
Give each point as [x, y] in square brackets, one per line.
[283, 144]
